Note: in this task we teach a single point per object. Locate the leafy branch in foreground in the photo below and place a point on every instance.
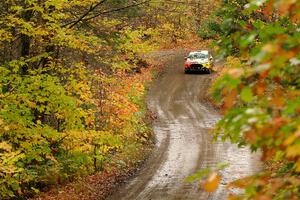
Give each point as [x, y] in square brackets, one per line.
[210, 176]
[260, 92]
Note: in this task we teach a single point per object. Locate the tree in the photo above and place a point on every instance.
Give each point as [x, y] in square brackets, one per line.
[259, 93]
[51, 53]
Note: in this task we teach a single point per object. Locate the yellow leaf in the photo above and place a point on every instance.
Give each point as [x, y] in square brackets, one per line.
[212, 183]
[5, 146]
[298, 165]
[288, 141]
[240, 183]
[270, 48]
[297, 134]
[293, 151]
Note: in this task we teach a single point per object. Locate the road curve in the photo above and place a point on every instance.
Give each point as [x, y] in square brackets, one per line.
[183, 141]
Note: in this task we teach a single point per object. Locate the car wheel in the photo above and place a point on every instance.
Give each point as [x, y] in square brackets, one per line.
[186, 71]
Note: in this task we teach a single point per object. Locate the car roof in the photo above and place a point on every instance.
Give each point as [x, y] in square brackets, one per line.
[202, 51]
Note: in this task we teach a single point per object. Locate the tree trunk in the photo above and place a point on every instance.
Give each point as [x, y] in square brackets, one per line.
[25, 41]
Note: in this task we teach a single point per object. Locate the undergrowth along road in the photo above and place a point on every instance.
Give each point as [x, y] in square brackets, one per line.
[184, 144]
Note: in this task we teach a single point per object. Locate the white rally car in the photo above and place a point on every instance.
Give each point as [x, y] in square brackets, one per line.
[198, 61]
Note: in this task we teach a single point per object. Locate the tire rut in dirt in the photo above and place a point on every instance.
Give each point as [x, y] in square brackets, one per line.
[184, 144]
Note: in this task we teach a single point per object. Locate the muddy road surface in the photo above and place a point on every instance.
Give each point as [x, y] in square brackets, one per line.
[184, 144]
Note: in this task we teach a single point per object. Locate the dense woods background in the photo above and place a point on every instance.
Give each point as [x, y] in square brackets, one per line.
[73, 81]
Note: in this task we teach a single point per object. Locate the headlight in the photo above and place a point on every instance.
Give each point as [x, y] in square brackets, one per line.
[206, 65]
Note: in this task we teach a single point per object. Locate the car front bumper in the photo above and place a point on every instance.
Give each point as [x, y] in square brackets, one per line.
[198, 68]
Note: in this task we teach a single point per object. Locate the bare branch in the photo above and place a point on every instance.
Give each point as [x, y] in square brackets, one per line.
[91, 9]
[117, 9]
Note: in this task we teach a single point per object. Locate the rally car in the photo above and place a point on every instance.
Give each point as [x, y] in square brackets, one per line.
[198, 61]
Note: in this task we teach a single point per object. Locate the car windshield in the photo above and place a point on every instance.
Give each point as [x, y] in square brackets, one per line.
[198, 56]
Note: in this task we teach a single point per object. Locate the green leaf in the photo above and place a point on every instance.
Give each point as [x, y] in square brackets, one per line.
[198, 175]
[246, 94]
[221, 166]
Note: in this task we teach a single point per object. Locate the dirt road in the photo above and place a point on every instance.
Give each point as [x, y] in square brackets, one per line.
[183, 141]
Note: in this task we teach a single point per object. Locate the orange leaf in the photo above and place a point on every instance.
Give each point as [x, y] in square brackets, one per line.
[251, 136]
[229, 99]
[263, 197]
[277, 101]
[269, 8]
[285, 6]
[234, 197]
[268, 130]
[268, 154]
[264, 74]
[260, 88]
[212, 183]
[296, 18]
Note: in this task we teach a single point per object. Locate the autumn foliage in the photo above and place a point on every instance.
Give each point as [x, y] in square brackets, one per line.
[71, 89]
[259, 91]
[73, 83]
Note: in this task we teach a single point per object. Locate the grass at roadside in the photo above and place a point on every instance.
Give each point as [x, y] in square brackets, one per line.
[101, 184]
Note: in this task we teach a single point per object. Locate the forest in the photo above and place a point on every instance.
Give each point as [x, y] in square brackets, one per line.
[74, 79]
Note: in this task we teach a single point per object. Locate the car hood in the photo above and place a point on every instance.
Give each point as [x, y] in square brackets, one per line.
[198, 61]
